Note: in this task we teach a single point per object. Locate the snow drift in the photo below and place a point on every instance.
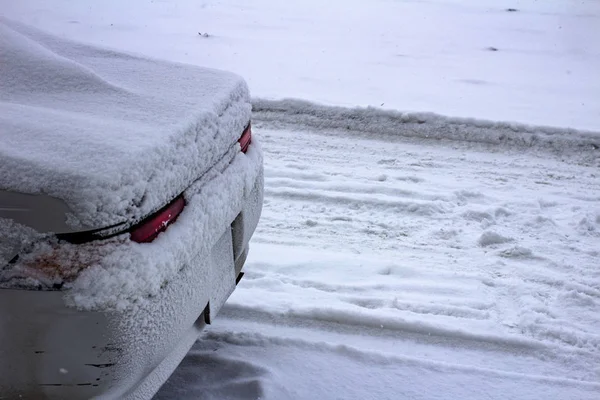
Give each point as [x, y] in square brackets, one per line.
[381, 122]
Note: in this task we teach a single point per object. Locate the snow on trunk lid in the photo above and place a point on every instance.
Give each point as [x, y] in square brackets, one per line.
[115, 136]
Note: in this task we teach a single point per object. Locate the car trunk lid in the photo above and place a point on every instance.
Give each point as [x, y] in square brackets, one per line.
[109, 136]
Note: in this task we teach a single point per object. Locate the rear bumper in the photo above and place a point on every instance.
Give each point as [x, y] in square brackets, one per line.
[49, 350]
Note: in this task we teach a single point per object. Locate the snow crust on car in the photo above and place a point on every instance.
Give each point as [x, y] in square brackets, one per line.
[130, 273]
[118, 274]
[116, 136]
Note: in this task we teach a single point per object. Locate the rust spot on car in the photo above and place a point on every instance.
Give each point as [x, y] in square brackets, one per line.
[101, 365]
[65, 384]
[110, 348]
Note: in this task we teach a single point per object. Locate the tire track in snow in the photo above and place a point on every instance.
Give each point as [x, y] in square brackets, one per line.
[358, 200]
[360, 318]
[266, 340]
[514, 357]
[356, 188]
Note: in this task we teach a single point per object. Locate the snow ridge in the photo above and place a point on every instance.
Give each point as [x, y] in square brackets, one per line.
[301, 113]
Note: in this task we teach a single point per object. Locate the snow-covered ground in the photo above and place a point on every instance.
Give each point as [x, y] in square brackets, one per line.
[468, 58]
[399, 255]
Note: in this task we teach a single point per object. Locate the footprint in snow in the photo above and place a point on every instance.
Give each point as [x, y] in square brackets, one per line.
[445, 234]
[490, 238]
[589, 227]
[477, 216]
[516, 252]
[501, 212]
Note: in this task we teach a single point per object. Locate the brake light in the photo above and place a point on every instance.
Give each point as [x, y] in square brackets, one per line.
[147, 230]
[246, 138]
[48, 265]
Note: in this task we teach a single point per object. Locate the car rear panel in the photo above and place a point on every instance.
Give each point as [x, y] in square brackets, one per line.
[57, 351]
[115, 316]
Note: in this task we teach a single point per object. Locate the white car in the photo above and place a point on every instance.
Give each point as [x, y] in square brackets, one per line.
[129, 189]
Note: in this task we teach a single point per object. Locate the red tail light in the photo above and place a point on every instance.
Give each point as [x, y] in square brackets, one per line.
[147, 230]
[246, 138]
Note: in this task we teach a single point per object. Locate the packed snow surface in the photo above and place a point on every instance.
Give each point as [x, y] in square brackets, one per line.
[115, 136]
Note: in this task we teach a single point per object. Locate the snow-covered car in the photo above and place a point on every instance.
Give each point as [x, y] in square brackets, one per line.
[129, 189]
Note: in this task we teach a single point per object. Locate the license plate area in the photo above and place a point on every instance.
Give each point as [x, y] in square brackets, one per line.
[222, 274]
